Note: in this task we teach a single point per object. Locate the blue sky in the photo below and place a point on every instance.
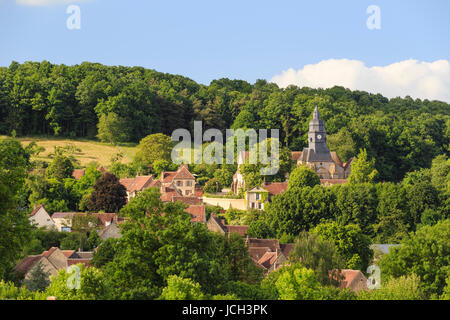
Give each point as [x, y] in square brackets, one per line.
[208, 39]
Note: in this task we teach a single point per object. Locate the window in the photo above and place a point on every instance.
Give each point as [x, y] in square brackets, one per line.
[188, 183]
[258, 196]
[188, 192]
[179, 183]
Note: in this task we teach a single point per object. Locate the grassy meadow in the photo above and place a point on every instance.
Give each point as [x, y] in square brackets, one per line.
[89, 150]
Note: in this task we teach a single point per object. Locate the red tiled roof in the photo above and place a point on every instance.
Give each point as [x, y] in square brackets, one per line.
[140, 182]
[27, 264]
[155, 183]
[167, 176]
[68, 253]
[198, 192]
[275, 188]
[295, 155]
[49, 252]
[187, 200]
[78, 173]
[353, 279]
[105, 217]
[336, 158]
[273, 244]
[197, 213]
[242, 230]
[268, 259]
[167, 196]
[64, 214]
[183, 173]
[36, 210]
[126, 182]
[86, 262]
[257, 252]
[136, 184]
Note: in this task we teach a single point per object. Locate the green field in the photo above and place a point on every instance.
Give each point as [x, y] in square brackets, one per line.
[90, 150]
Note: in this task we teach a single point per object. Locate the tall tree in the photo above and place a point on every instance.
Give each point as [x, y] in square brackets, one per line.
[363, 170]
[15, 228]
[109, 195]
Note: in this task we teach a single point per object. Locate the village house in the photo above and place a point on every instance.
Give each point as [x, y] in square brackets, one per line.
[181, 181]
[78, 173]
[268, 253]
[112, 230]
[137, 184]
[63, 220]
[216, 224]
[353, 279]
[257, 197]
[40, 217]
[52, 261]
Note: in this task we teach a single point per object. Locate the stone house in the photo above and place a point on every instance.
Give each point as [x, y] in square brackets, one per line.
[137, 184]
[268, 253]
[52, 261]
[40, 217]
[257, 197]
[182, 181]
[353, 279]
[63, 220]
[216, 224]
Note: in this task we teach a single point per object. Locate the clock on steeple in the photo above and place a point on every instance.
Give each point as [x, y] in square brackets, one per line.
[317, 138]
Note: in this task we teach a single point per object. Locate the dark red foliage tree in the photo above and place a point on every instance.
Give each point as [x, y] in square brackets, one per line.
[108, 195]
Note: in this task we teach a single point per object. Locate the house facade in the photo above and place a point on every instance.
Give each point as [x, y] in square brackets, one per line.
[258, 197]
[137, 184]
[216, 224]
[268, 254]
[181, 181]
[63, 220]
[40, 217]
[52, 261]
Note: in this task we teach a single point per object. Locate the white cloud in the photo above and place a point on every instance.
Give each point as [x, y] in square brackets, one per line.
[44, 2]
[424, 80]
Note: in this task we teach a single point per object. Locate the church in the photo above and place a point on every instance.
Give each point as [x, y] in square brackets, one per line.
[318, 157]
[330, 169]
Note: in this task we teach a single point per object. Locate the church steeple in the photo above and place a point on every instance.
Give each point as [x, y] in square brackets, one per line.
[317, 139]
[316, 114]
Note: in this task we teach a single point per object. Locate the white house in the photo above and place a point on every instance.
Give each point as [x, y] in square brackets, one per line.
[40, 217]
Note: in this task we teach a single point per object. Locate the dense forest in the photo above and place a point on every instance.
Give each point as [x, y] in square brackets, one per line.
[40, 98]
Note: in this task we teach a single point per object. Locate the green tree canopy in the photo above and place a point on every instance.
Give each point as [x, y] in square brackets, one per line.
[363, 170]
[425, 253]
[351, 244]
[302, 176]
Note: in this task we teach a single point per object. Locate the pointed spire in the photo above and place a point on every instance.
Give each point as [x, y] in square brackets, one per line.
[316, 114]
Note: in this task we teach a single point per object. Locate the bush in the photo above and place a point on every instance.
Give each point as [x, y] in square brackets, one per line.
[212, 186]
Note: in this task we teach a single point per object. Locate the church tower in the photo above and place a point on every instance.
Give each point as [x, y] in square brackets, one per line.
[317, 150]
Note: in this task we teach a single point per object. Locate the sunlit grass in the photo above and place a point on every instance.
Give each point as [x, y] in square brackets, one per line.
[90, 150]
